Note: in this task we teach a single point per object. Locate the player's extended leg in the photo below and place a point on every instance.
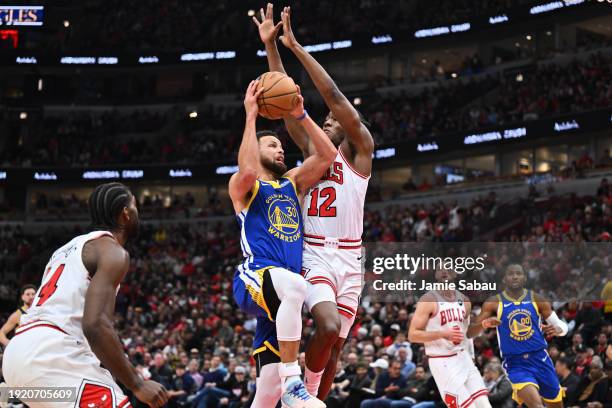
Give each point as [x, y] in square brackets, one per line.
[530, 396]
[319, 348]
[330, 370]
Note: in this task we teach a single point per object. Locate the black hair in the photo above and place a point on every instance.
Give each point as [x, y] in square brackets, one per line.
[263, 133]
[105, 204]
[566, 361]
[26, 287]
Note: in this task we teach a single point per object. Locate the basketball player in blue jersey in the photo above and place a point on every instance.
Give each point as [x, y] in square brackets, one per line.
[517, 313]
[268, 284]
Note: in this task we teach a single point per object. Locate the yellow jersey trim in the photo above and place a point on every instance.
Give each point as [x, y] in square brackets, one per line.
[254, 192]
[293, 183]
[535, 305]
[519, 386]
[558, 398]
[257, 294]
[267, 346]
[500, 307]
[516, 301]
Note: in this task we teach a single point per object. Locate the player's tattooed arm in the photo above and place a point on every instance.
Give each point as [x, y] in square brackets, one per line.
[417, 333]
[268, 33]
[359, 136]
[486, 319]
[108, 263]
[242, 182]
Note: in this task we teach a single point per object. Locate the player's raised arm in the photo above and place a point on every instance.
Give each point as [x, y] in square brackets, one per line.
[108, 270]
[268, 33]
[248, 156]
[426, 307]
[359, 136]
[486, 319]
[554, 326]
[7, 327]
[315, 166]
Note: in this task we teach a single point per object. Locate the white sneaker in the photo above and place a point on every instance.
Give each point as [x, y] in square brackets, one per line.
[296, 396]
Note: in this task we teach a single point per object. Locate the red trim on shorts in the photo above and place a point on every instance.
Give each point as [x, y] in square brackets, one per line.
[126, 401]
[349, 165]
[339, 239]
[472, 397]
[348, 308]
[345, 313]
[40, 325]
[322, 279]
[445, 356]
[27, 324]
[338, 247]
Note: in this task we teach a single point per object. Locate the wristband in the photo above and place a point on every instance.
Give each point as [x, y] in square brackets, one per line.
[302, 116]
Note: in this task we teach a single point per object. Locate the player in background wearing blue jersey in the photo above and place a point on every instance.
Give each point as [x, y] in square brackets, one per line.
[268, 284]
[517, 314]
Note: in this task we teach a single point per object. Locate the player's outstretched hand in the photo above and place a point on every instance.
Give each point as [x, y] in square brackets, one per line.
[298, 111]
[250, 99]
[287, 38]
[491, 322]
[151, 393]
[550, 330]
[267, 30]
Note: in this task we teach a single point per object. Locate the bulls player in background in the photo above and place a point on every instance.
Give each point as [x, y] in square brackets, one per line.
[440, 322]
[68, 332]
[332, 210]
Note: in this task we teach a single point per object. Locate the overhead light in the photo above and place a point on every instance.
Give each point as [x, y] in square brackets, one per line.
[40, 84]
[23, 115]
[519, 78]
[251, 13]
[424, 61]
[517, 45]
[193, 114]
[454, 75]
[528, 37]
[357, 101]
[549, 33]
[66, 23]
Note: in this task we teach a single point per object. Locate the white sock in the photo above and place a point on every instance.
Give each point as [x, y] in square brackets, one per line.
[289, 372]
[312, 381]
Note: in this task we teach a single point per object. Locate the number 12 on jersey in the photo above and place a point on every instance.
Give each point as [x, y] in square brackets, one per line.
[326, 209]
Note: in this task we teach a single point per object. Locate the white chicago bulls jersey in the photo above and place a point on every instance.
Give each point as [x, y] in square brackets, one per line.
[334, 206]
[60, 301]
[449, 314]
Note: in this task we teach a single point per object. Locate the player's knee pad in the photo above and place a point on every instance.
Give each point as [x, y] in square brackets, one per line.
[288, 285]
[482, 402]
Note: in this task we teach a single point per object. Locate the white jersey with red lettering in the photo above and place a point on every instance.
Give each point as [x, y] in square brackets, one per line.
[50, 341]
[333, 225]
[451, 365]
[61, 297]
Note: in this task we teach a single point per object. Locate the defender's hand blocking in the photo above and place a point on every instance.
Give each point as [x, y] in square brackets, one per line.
[267, 30]
[298, 111]
[455, 336]
[287, 38]
[250, 99]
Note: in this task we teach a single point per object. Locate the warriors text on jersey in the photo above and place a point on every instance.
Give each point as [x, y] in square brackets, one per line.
[449, 314]
[520, 330]
[60, 300]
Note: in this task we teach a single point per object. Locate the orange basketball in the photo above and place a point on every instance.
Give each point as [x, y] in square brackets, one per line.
[279, 96]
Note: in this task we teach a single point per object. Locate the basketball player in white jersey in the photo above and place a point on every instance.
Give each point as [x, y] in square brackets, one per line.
[332, 211]
[440, 322]
[68, 332]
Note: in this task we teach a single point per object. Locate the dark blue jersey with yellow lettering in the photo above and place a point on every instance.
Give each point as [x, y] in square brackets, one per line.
[520, 330]
[271, 227]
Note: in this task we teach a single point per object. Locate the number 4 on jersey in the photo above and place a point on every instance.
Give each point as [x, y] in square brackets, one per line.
[325, 209]
[50, 287]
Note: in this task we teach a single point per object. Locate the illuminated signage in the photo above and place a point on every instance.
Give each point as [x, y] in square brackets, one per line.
[328, 46]
[427, 147]
[384, 153]
[226, 169]
[554, 5]
[148, 60]
[494, 136]
[502, 18]
[180, 173]
[108, 60]
[225, 55]
[2, 175]
[21, 15]
[26, 60]
[132, 174]
[100, 175]
[261, 53]
[78, 60]
[457, 28]
[382, 39]
[342, 44]
[202, 56]
[566, 125]
[436, 31]
[45, 176]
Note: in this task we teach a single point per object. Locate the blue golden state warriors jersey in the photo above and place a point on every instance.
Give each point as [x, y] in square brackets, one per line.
[520, 330]
[271, 227]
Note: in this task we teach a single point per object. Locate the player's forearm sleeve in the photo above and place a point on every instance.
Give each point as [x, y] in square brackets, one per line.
[554, 320]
